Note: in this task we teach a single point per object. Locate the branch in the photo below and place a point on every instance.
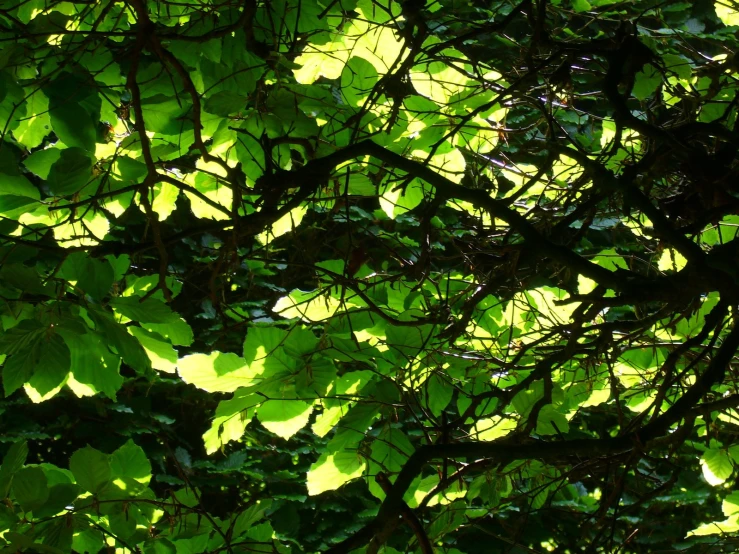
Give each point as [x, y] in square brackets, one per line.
[410, 518]
[546, 451]
[503, 452]
[608, 182]
[245, 21]
[450, 190]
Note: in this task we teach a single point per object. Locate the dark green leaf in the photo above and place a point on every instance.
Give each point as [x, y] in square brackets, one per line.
[30, 488]
[92, 363]
[91, 469]
[20, 366]
[12, 463]
[74, 126]
[93, 276]
[224, 103]
[70, 173]
[53, 365]
[127, 346]
[150, 310]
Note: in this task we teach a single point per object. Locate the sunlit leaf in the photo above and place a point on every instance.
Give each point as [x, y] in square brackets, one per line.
[332, 470]
[717, 466]
[284, 418]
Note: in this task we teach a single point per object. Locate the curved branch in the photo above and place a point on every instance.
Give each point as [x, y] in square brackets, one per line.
[549, 451]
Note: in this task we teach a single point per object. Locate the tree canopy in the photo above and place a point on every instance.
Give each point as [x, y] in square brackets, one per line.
[433, 276]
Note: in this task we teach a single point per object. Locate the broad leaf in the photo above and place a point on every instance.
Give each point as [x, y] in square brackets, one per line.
[91, 469]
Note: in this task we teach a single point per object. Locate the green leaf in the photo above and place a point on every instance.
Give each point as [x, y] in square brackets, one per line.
[646, 83]
[163, 357]
[24, 335]
[130, 469]
[361, 185]
[31, 131]
[12, 102]
[40, 162]
[88, 541]
[391, 449]
[91, 469]
[408, 341]
[164, 114]
[264, 348]
[130, 170]
[176, 331]
[159, 546]
[730, 504]
[93, 276]
[91, 363]
[231, 419]
[610, 259]
[150, 310]
[13, 207]
[25, 278]
[12, 463]
[261, 533]
[439, 393]
[127, 346]
[494, 428]
[357, 80]
[729, 525]
[727, 12]
[70, 173]
[314, 380]
[678, 65]
[525, 400]
[8, 519]
[61, 495]
[58, 535]
[130, 461]
[30, 488]
[187, 497]
[200, 370]
[20, 366]
[505, 290]
[486, 488]
[74, 126]
[334, 469]
[717, 466]
[246, 519]
[52, 366]
[120, 265]
[284, 418]
[123, 519]
[551, 422]
[224, 103]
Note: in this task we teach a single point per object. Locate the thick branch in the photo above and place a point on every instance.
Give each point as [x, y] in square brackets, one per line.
[546, 451]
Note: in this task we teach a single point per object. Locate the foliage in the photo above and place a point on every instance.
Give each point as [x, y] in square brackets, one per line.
[361, 275]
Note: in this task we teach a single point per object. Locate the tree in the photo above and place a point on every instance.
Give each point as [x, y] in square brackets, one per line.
[369, 276]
